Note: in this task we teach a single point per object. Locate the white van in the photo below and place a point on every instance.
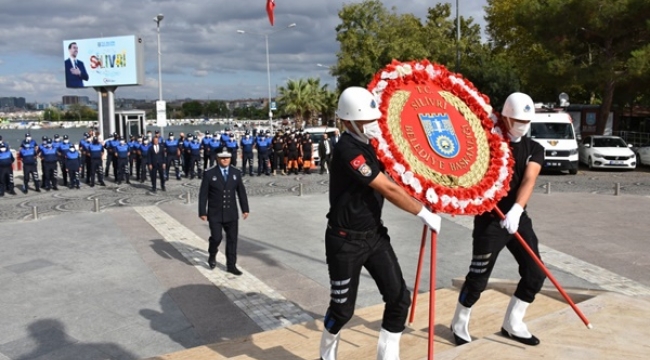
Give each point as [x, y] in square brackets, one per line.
[553, 130]
[316, 134]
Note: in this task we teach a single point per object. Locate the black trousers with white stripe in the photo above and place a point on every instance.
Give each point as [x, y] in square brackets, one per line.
[345, 258]
[488, 241]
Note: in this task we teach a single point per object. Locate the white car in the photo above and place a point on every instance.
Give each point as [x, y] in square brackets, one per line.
[316, 134]
[599, 151]
[643, 155]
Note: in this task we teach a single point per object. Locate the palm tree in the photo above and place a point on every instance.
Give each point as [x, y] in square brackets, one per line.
[306, 99]
[294, 98]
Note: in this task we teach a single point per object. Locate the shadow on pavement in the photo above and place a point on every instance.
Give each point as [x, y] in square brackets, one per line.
[51, 342]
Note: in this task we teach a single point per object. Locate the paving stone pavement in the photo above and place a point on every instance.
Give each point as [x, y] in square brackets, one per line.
[264, 305]
[102, 288]
[20, 206]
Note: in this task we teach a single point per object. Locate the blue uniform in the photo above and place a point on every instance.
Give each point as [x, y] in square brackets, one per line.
[194, 165]
[28, 156]
[32, 143]
[206, 151]
[72, 160]
[96, 150]
[85, 159]
[232, 146]
[134, 157]
[171, 153]
[122, 155]
[247, 144]
[144, 161]
[6, 172]
[215, 145]
[263, 144]
[62, 149]
[50, 156]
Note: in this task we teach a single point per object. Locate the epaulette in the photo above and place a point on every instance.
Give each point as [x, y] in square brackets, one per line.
[211, 167]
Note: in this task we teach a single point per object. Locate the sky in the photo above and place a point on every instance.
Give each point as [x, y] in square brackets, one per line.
[203, 56]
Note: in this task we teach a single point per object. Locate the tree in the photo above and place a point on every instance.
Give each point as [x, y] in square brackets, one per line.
[216, 109]
[578, 44]
[192, 109]
[370, 37]
[52, 114]
[76, 110]
[306, 99]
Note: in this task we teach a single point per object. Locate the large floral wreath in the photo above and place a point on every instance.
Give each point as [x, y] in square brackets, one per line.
[487, 179]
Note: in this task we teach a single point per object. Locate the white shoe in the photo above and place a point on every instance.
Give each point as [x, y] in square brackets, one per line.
[329, 344]
[513, 323]
[460, 324]
[388, 345]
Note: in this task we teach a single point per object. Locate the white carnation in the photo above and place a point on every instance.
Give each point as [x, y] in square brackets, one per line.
[432, 197]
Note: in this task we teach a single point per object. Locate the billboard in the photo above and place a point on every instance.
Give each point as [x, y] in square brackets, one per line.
[107, 61]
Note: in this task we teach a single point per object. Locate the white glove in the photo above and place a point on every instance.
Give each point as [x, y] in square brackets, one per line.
[511, 222]
[430, 219]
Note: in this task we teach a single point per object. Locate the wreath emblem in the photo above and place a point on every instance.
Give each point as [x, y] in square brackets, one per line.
[440, 139]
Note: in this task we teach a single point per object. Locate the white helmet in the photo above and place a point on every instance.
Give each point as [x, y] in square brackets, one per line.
[357, 104]
[519, 106]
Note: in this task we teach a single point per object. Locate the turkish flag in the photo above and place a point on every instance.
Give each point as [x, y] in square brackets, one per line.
[270, 6]
[357, 162]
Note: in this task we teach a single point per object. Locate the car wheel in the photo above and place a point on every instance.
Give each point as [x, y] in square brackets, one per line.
[590, 163]
[573, 171]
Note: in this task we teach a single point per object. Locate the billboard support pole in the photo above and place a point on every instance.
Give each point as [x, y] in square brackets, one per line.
[106, 110]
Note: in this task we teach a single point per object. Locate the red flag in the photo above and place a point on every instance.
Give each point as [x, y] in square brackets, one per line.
[270, 6]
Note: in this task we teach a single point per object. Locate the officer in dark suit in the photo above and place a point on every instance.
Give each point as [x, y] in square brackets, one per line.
[217, 206]
[157, 164]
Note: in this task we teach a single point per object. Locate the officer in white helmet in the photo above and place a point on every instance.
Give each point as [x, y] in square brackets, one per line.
[492, 234]
[355, 235]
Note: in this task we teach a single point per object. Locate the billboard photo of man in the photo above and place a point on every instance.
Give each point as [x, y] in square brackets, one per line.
[75, 71]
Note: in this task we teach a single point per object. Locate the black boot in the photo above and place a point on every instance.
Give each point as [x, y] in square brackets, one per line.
[212, 261]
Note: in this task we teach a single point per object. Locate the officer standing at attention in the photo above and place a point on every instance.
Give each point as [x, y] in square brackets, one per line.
[110, 154]
[84, 145]
[232, 146]
[186, 154]
[278, 153]
[307, 149]
[217, 205]
[39, 154]
[205, 143]
[172, 156]
[143, 153]
[6, 170]
[194, 163]
[95, 152]
[263, 144]
[355, 235]
[491, 234]
[122, 154]
[72, 160]
[247, 143]
[215, 147]
[27, 154]
[134, 156]
[50, 158]
[62, 150]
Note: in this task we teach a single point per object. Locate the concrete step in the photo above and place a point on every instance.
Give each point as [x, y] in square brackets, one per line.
[359, 337]
[620, 331]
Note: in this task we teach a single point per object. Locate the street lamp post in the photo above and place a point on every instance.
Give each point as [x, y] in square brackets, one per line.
[158, 19]
[268, 63]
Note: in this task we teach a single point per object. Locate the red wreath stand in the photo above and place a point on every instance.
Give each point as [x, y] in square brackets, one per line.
[441, 142]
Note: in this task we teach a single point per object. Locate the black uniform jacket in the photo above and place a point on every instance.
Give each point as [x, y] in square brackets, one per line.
[217, 196]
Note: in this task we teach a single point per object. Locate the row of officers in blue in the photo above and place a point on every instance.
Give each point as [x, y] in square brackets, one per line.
[189, 156]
